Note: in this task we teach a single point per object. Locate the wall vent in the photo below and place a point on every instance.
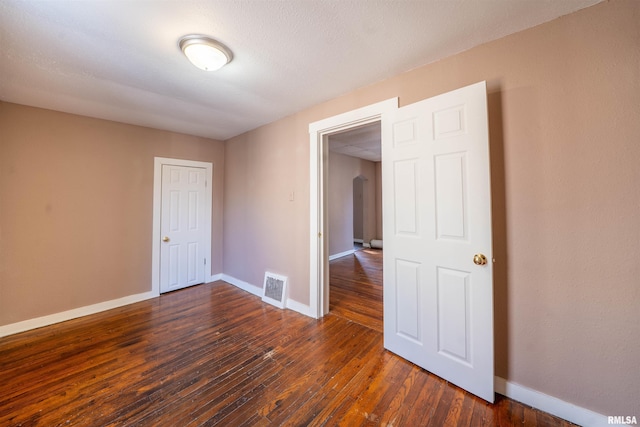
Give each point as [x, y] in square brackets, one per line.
[274, 289]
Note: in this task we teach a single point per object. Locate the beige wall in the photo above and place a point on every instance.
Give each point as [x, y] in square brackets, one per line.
[564, 102]
[268, 231]
[342, 170]
[76, 208]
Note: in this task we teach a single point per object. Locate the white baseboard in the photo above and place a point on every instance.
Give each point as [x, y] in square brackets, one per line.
[214, 278]
[358, 241]
[341, 254]
[550, 404]
[245, 286]
[39, 322]
[252, 289]
[296, 306]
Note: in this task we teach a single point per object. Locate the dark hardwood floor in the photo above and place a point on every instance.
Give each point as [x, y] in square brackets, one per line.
[356, 288]
[216, 355]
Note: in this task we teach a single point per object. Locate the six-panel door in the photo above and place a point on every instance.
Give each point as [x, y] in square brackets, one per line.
[182, 260]
[438, 304]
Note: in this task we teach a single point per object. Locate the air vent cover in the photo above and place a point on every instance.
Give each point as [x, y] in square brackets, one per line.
[274, 289]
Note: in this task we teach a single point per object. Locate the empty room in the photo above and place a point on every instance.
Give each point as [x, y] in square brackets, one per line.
[182, 183]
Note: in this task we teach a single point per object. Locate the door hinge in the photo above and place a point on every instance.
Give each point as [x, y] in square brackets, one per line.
[205, 261]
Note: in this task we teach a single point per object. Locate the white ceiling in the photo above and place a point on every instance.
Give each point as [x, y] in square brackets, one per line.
[363, 142]
[119, 60]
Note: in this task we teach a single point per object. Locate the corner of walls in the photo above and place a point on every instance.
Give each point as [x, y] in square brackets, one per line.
[291, 304]
[298, 307]
[341, 254]
[58, 160]
[214, 278]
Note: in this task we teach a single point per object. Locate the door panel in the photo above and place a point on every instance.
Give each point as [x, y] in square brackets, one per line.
[438, 304]
[182, 254]
[406, 187]
[453, 313]
[449, 198]
[408, 292]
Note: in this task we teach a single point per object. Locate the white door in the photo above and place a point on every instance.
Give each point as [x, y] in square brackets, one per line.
[182, 227]
[438, 300]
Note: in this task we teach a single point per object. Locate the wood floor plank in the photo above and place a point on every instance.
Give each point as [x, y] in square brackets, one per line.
[312, 378]
[360, 413]
[394, 414]
[466, 411]
[455, 409]
[350, 374]
[483, 415]
[213, 355]
[356, 287]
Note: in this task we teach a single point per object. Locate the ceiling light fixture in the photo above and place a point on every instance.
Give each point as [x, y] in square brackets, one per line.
[205, 52]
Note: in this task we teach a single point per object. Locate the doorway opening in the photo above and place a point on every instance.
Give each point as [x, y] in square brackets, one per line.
[319, 133]
[354, 205]
[356, 291]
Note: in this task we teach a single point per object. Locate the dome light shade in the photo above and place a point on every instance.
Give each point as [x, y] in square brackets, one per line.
[205, 52]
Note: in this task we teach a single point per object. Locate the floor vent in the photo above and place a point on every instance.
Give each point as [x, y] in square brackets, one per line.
[274, 289]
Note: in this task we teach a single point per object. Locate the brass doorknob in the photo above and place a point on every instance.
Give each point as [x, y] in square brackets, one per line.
[479, 259]
[165, 239]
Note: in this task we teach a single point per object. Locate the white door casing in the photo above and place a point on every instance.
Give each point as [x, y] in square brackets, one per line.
[182, 224]
[319, 231]
[438, 304]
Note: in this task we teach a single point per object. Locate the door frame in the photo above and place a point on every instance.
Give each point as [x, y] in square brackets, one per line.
[318, 166]
[157, 207]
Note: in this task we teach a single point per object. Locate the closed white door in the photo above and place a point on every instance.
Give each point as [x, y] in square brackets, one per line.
[438, 280]
[182, 228]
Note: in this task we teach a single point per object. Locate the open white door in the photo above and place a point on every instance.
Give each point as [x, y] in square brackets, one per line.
[438, 279]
